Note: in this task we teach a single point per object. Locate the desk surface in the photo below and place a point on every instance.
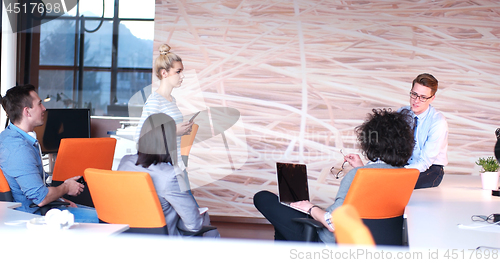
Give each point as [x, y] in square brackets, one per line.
[8, 214]
[13, 220]
[434, 214]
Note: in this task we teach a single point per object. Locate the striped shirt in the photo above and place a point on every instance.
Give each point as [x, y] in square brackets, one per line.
[156, 103]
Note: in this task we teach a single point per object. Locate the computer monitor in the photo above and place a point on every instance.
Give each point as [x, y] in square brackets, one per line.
[62, 123]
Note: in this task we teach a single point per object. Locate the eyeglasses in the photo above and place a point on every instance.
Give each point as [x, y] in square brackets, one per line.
[482, 218]
[422, 98]
[340, 173]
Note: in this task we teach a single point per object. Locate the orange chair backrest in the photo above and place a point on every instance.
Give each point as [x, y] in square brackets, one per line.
[5, 193]
[4, 185]
[122, 197]
[349, 228]
[187, 140]
[381, 193]
[77, 154]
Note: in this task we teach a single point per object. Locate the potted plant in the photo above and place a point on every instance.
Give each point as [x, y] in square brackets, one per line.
[489, 174]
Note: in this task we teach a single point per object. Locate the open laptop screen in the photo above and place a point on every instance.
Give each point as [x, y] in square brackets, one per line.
[292, 182]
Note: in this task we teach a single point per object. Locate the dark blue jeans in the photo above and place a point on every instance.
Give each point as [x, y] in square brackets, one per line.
[431, 177]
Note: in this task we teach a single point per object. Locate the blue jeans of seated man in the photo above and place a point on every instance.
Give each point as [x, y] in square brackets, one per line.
[83, 214]
[431, 177]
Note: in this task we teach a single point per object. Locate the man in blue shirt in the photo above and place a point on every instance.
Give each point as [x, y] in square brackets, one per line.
[430, 131]
[20, 156]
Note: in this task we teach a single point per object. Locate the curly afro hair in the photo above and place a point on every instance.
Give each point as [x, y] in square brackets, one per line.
[388, 136]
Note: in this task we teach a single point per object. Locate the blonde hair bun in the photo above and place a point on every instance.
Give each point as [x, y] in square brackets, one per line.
[165, 60]
[164, 49]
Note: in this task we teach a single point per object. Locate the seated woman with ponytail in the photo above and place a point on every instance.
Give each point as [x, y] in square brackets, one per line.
[157, 155]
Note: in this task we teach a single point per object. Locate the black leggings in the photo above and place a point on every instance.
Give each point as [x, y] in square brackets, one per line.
[280, 216]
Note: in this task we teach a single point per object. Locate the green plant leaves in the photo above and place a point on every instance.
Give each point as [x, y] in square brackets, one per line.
[489, 164]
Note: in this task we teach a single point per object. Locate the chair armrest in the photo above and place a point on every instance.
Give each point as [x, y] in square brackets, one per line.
[311, 227]
[309, 222]
[52, 204]
[47, 207]
[199, 232]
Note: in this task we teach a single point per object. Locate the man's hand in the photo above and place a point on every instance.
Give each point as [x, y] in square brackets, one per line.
[71, 204]
[70, 187]
[74, 187]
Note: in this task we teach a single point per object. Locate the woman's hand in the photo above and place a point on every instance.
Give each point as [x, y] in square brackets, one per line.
[184, 128]
[302, 205]
[354, 160]
[318, 213]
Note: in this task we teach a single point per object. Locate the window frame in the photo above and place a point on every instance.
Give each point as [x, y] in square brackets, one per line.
[29, 56]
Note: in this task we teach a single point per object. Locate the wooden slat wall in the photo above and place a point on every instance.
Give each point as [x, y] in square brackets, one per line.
[304, 74]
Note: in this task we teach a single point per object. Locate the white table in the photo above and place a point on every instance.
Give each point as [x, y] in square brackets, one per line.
[13, 220]
[434, 215]
[8, 214]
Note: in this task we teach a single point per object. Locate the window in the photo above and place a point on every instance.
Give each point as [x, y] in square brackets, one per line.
[109, 78]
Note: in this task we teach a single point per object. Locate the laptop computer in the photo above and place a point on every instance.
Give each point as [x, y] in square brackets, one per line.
[292, 183]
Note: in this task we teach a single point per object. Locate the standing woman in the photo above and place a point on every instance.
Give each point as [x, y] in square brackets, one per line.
[169, 69]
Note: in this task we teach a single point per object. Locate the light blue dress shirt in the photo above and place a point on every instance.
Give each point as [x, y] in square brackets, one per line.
[431, 140]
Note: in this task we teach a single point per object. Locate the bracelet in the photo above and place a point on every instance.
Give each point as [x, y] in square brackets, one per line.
[310, 209]
[328, 219]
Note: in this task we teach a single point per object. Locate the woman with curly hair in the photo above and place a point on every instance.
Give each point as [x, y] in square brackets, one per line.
[385, 138]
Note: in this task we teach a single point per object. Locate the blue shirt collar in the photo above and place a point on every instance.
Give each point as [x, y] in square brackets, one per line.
[376, 162]
[28, 137]
[422, 115]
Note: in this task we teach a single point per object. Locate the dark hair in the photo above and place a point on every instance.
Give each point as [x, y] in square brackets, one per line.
[388, 136]
[428, 81]
[155, 143]
[147, 159]
[16, 99]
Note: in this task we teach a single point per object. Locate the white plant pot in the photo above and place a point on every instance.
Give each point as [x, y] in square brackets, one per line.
[490, 180]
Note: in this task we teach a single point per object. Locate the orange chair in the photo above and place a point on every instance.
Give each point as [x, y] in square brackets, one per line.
[77, 154]
[187, 143]
[5, 193]
[123, 197]
[380, 197]
[349, 228]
